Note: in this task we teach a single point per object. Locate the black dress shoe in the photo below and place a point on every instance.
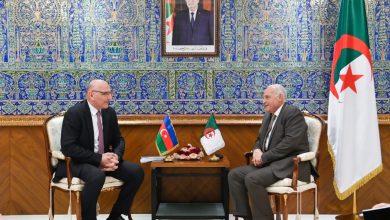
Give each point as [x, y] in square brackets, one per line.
[119, 218]
[243, 217]
[116, 218]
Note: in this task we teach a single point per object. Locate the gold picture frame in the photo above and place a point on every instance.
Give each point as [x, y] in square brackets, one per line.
[186, 34]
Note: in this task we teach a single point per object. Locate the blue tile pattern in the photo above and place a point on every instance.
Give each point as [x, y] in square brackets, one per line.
[51, 49]
[62, 86]
[191, 85]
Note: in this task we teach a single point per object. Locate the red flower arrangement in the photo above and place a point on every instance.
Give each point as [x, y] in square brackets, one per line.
[189, 153]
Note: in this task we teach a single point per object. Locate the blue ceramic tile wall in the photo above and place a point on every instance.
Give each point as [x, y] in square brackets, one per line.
[51, 49]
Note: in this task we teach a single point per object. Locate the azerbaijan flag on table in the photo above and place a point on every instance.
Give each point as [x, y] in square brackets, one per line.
[166, 140]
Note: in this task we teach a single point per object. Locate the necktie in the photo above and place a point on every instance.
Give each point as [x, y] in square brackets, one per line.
[192, 19]
[100, 129]
[268, 132]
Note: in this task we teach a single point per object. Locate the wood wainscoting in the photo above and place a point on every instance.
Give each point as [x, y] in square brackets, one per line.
[24, 181]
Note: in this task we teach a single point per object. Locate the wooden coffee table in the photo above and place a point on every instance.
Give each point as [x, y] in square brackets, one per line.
[198, 210]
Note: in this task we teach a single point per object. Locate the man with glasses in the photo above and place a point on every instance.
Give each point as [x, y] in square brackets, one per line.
[91, 137]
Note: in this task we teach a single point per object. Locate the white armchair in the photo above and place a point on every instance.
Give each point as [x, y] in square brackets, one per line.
[73, 185]
[282, 189]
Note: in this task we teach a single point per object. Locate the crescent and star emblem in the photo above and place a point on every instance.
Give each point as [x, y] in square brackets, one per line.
[164, 133]
[209, 133]
[351, 42]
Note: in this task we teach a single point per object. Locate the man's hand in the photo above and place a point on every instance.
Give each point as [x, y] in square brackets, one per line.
[109, 162]
[256, 159]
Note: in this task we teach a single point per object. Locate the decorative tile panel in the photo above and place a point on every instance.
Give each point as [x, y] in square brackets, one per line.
[381, 22]
[62, 85]
[6, 86]
[191, 85]
[3, 32]
[37, 30]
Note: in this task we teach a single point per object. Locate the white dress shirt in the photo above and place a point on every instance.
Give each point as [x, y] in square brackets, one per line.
[267, 138]
[194, 14]
[94, 112]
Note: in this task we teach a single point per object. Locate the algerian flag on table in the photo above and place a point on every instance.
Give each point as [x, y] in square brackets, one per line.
[353, 133]
[168, 21]
[211, 139]
[166, 140]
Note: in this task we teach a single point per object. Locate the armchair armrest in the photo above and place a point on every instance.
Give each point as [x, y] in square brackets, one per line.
[300, 158]
[295, 175]
[69, 175]
[58, 155]
[307, 156]
[68, 161]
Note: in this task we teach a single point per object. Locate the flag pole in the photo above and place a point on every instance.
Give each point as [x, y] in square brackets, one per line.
[356, 217]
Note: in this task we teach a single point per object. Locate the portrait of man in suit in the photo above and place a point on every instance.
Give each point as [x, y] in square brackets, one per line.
[190, 27]
[193, 25]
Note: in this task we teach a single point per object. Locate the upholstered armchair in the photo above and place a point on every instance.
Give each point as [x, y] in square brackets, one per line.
[73, 185]
[280, 191]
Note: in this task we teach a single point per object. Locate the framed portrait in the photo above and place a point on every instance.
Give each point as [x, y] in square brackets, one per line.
[190, 27]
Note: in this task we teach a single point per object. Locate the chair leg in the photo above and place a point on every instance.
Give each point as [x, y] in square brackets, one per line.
[78, 206]
[285, 209]
[299, 206]
[51, 209]
[272, 202]
[277, 199]
[316, 213]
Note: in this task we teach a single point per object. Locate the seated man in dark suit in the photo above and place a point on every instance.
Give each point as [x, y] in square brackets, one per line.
[283, 135]
[193, 26]
[91, 137]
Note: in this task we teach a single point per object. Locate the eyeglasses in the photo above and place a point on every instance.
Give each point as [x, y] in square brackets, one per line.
[104, 93]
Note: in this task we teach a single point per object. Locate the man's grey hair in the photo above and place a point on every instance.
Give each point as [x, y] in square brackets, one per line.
[279, 89]
[92, 83]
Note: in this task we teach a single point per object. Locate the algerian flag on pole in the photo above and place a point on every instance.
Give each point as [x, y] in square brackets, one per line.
[168, 21]
[353, 133]
[211, 139]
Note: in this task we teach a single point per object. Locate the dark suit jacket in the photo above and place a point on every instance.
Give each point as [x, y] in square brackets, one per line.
[77, 137]
[201, 34]
[288, 139]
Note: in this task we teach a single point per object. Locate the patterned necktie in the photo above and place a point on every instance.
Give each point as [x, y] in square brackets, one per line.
[268, 132]
[192, 19]
[100, 129]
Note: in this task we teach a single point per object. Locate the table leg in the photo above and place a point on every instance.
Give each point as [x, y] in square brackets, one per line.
[154, 193]
[225, 191]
